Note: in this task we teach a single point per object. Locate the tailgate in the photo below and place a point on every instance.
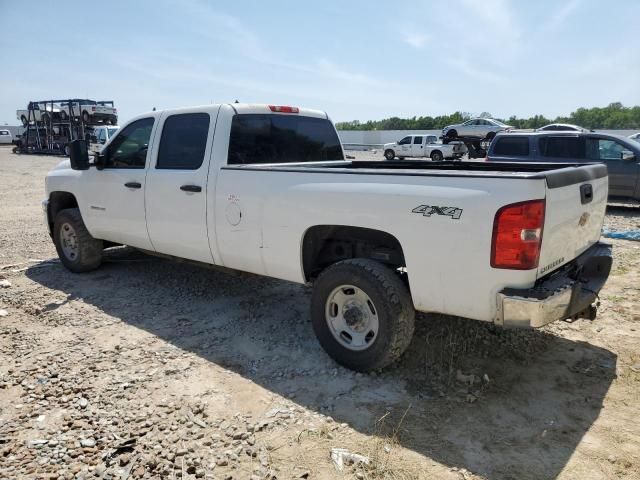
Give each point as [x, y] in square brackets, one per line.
[576, 200]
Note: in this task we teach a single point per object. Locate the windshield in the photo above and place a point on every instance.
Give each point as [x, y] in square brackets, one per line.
[111, 131]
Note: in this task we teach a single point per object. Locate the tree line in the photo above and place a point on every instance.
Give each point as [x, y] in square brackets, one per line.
[612, 117]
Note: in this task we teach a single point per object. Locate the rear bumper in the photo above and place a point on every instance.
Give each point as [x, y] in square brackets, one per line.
[566, 293]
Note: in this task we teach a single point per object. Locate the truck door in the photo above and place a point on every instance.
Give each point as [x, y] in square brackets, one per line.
[176, 192]
[417, 147]
[623, 174]
[114, 207]
[404, 147]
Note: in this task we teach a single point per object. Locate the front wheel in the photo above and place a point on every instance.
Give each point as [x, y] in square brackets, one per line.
[389, 154]
[362, 314]
[24, 121]
[77, 249]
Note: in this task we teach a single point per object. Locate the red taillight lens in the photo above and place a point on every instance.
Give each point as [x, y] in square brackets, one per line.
[517, 235]
[283, 109]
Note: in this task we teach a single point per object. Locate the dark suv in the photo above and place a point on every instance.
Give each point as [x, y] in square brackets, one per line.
[620, 154]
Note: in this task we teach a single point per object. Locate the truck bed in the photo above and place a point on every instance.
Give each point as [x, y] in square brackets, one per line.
[556, 174]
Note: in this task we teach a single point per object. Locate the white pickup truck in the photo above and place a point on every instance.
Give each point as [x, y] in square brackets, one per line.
[90, 111]
[416, 146]
[266, 189]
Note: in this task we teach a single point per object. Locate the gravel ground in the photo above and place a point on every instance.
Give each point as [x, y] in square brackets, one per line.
[152, 369]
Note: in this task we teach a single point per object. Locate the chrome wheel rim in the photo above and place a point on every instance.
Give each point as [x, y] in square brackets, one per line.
[69, 241]
[352, 317]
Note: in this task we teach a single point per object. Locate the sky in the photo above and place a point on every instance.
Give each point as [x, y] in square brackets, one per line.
[355, 60]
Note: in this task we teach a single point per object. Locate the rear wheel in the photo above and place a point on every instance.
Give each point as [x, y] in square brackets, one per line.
[362, 314]
[389, 154]
[436, 156]
[490, 136]
[77, 249]
[24, 121]
[86, 118]
[451, 134]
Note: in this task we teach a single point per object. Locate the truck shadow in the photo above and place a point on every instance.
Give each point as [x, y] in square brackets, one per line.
[518, 409]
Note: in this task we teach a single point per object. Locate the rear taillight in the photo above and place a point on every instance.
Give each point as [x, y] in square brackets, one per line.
[517, 235]
[283, 109]
[93, 109]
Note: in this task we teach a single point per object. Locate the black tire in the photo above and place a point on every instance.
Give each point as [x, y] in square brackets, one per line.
[86, 118]
[452, 134]
[67, 151]
[63, 115]
[389, 154]
[88, 254]
[436, 156]
[392, 303]
[45, 119]
[113, 120]
[24, 121]
[490, 136]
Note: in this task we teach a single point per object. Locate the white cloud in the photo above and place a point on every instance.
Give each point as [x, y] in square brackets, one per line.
[559, 16]
[470, 70]
[495, 16]
[417, 40]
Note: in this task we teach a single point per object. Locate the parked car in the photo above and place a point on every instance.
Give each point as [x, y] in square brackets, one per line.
[476, 128]
[5, 137]
[635, 136]
[423, 146]
[91, 111]
[564, 127]
[40, 112]
[620, 154]
[266, 189]
[99, 136]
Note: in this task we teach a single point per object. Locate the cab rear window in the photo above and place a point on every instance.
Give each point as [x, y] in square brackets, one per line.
[512, 146]
[267, 138]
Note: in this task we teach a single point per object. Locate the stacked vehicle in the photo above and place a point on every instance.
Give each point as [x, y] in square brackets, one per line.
[52, 124]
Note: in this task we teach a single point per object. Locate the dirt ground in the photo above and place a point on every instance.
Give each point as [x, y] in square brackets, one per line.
[151, 369]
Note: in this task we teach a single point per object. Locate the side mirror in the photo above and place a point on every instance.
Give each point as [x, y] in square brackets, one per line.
[79, 155]
[100, 160]
[627, 156]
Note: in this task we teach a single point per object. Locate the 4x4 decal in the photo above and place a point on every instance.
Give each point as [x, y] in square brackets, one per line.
[428, 210]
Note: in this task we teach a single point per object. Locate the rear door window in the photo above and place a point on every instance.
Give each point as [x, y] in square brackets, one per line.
[417, 140]
[512, 146]
[562, 147]
[270, 138]
[183, 141]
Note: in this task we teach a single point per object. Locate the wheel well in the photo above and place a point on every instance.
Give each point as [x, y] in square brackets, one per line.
[436, 151]
[324, 245]
[59, 201]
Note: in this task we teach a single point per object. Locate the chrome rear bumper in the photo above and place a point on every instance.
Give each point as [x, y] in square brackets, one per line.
[567, 293]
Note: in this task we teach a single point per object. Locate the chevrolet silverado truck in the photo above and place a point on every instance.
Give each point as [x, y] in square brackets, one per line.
[416, 146]
[266, 189]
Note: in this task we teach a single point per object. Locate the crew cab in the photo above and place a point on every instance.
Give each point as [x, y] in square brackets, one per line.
[39, 112]
[417, 146]
[266, 189]
[91, 111]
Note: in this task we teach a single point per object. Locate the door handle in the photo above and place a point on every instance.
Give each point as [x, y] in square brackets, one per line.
[133, 185]
[191, 188]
